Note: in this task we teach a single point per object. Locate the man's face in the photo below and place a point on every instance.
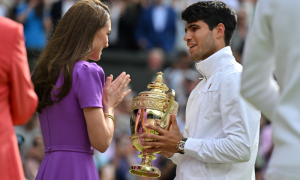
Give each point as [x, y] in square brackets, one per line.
[200, 40]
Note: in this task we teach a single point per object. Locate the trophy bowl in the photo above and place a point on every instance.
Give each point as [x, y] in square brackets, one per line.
[150, 107]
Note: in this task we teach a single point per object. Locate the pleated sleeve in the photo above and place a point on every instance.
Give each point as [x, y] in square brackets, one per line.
[89, 85]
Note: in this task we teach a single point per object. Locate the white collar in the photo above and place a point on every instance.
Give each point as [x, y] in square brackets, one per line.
[214, 62]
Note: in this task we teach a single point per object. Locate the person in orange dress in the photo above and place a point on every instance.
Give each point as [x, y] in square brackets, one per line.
[18, 100]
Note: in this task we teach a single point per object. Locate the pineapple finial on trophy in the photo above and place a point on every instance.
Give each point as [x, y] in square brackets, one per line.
[159, 78]
[158, 85]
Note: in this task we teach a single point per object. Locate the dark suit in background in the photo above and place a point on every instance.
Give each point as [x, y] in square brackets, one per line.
[56, 13]
[145, 30]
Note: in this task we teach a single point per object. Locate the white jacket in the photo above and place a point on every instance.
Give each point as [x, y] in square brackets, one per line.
[222, 128]
[273, 46]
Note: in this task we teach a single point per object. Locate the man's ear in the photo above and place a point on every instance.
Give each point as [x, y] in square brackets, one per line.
[220, 31]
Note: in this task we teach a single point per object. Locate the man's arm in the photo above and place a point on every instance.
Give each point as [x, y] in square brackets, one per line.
[174, 158]
[240, 125]
[258, 85]
[23, 98]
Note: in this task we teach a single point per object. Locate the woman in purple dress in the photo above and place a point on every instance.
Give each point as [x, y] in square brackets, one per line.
[76, 105]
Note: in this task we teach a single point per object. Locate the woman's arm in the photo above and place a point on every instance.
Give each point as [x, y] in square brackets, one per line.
[101, 128]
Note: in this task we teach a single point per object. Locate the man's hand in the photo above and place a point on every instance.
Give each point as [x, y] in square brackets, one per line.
[133, 146]
[166, 142]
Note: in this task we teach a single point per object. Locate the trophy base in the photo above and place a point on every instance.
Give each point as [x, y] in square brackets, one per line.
[145, 171]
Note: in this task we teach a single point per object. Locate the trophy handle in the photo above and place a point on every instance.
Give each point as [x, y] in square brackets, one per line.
[171, 95]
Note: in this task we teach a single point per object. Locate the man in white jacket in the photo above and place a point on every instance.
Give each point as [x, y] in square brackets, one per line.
[220, 139]
[273, 48]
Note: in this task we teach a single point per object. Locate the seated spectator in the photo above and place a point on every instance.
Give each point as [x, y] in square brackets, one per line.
[155, 60]
[126, 26]
[239, 36]
[155, 63]
[34, 158]
[35, 18]
[108, 172]
[123, 114]
[29, 131]
[116, 8]
[124, 158]
[156, 27]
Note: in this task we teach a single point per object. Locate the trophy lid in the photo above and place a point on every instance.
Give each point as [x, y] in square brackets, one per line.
[158, 85]
[159, 97]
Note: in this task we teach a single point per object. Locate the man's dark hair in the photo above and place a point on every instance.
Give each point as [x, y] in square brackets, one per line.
[212, 13]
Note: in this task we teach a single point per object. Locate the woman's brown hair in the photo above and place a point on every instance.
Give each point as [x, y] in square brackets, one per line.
[71, 42]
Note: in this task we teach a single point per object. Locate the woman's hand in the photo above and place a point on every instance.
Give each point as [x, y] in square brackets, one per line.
[101, 128]
[114, 92]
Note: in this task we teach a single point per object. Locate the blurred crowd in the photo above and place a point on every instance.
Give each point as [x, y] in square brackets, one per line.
[152, 26]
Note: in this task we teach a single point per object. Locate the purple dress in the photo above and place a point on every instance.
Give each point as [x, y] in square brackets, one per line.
[68, 151]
